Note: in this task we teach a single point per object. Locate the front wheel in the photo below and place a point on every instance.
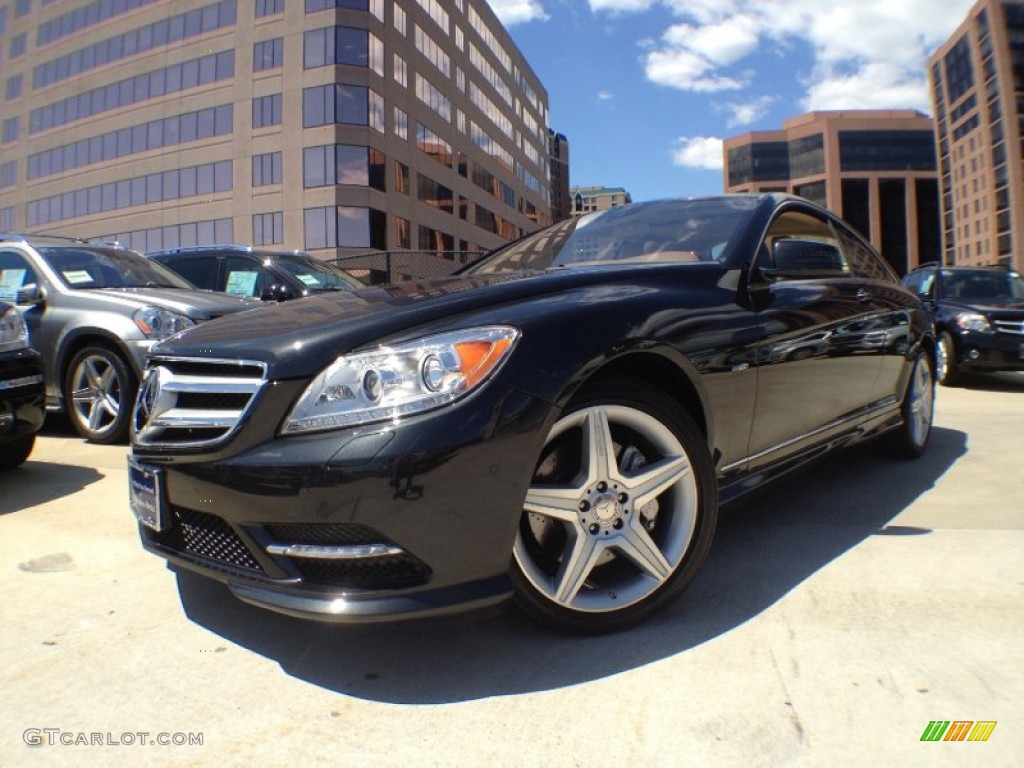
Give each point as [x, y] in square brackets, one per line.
[98, 393]
[946, 374]
[620, 512]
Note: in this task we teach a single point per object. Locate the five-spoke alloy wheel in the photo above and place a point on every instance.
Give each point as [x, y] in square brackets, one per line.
[98, 394]
[620, 512]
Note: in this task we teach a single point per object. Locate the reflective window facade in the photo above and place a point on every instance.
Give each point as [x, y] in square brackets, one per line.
[977, 88]
[877, 169]
[367, 120]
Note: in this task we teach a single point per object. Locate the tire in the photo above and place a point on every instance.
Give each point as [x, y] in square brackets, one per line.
[946, 371]
[16, 452]
[911, 438]
[605, 545]
[99, 391]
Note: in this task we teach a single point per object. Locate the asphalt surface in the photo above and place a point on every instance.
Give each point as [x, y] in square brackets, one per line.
[839, 613]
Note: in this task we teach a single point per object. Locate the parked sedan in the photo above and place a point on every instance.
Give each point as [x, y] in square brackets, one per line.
[21, 389]
[979, 317]
[558, 424]
[267, 275]
[93, 311]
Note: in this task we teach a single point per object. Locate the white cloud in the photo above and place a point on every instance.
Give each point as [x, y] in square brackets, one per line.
[870, 53]
[702, 152]
[686, 70]
[605, 96]
[511, 12]
[877, 85]
[722, 43]
[620, 6]
[746, 112]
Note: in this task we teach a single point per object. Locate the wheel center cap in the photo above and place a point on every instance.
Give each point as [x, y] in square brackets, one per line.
[606, 509]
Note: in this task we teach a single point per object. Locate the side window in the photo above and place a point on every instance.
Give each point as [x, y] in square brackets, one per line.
[921, 282]
[244, 277]
[913, 282]
[803, 241]
[863, 261]
[15, 274]
[927, 290]
[201, 271]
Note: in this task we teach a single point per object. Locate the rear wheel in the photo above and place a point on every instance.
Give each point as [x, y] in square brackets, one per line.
[98, 392]
[16, 452]
[619, 515]
[918, 410]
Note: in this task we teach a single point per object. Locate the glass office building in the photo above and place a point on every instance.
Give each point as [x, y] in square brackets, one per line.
[333, 126]
[977, 85]
[875, 168]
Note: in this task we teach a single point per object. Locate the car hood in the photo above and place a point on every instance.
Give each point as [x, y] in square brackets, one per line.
[299, 337]
[985, 305]
[198, 305]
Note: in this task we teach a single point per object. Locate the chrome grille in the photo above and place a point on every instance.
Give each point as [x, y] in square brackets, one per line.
[1010, 326]
[189, 403]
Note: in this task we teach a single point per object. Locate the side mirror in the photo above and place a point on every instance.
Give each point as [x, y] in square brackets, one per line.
[801, 259]
[277, 292]
[30, 295]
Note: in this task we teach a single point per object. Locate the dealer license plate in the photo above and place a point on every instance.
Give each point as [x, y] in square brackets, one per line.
[145, 495]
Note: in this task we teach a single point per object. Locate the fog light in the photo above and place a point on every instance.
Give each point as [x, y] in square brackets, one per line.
[973, 354]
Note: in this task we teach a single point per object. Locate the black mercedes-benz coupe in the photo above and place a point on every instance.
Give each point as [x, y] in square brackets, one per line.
[558, 424]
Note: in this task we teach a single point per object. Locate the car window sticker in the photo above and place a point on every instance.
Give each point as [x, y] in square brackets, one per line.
[241, 283]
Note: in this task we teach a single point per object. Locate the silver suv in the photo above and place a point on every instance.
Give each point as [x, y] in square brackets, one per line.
[93, 311]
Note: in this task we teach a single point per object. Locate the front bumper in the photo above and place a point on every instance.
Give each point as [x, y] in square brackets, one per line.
[371, 524]
[996, 351]
[22, 397]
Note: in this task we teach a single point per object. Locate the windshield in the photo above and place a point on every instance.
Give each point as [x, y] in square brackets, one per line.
[976, 284]
[677, 231]
[96, 267]
[316, 275]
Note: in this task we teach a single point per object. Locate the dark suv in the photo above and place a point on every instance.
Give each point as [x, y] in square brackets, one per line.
[93, 311]
[979, 317]
[21, 389]
[268, 275]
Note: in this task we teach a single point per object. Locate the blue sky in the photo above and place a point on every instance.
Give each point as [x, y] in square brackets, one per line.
[645, 90]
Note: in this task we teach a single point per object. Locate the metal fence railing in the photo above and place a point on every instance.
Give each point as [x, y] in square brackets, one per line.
[382, 267]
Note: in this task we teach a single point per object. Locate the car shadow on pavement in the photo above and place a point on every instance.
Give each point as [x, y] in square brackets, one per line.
[37, 482]
[762, 550]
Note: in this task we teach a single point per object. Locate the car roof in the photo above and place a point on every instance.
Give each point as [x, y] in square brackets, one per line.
[226, 248]
[58, 241]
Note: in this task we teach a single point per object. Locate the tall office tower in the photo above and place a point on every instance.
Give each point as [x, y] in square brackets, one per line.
[977, 84]
[333, 126]
[558, 161]
[875, 168]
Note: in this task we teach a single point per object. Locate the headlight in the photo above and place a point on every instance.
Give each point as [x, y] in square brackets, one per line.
[13, 331]
[972, 321]
[158, 323]
[391, 382]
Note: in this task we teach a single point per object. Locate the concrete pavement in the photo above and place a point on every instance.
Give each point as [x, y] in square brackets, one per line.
[838, 614]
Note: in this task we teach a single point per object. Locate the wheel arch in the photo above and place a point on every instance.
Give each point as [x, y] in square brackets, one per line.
[74, 342]
[661, 368]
